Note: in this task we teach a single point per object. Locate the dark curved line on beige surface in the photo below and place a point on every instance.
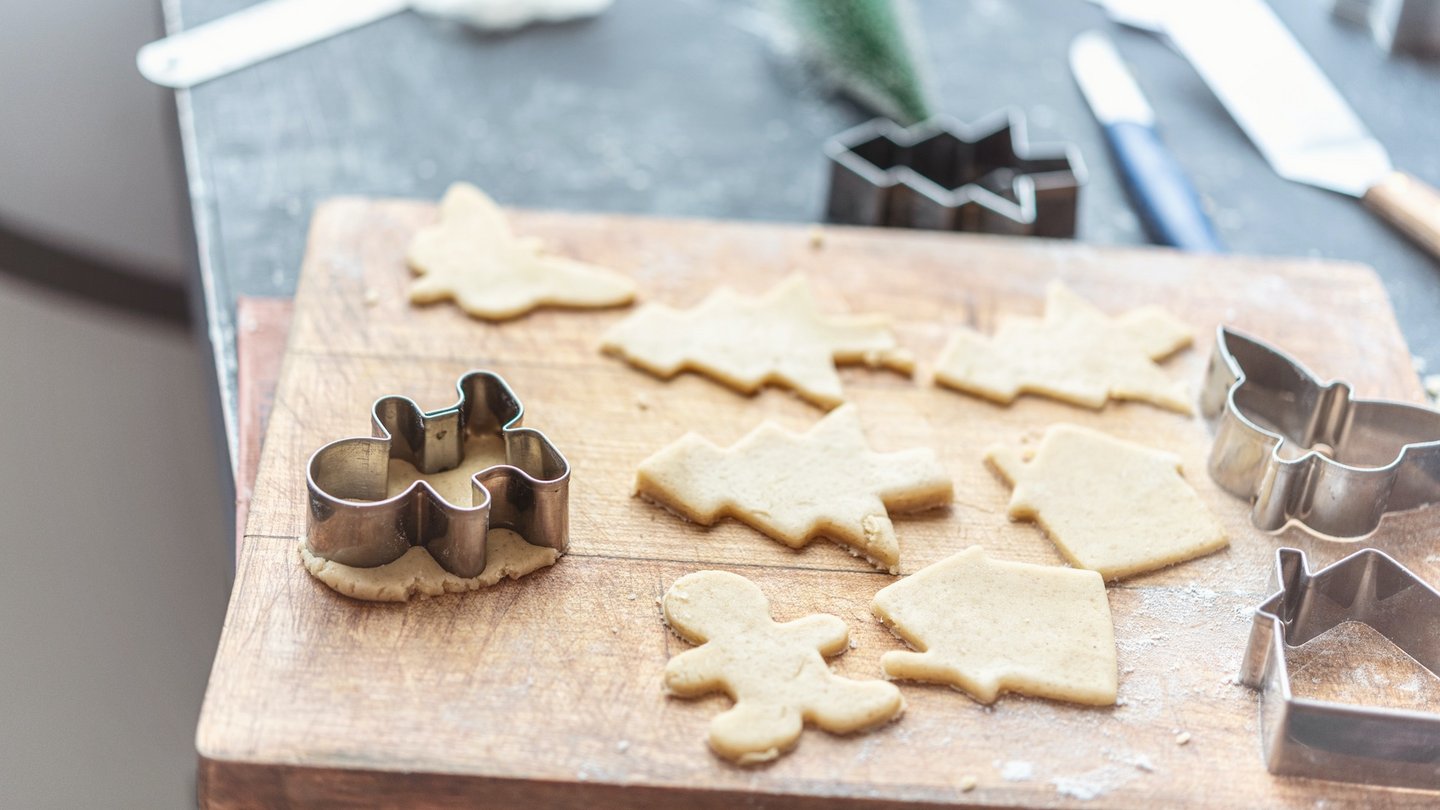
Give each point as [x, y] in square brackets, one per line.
[96, 280]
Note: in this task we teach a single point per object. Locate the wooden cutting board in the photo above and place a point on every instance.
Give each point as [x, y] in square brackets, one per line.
[546, 691]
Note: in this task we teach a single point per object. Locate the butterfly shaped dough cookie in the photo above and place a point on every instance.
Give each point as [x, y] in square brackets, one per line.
[471, 257]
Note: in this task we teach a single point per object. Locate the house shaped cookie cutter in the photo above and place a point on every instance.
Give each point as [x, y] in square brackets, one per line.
[942, 174]
[1338, 741]
[352, 522]
[1309, 452]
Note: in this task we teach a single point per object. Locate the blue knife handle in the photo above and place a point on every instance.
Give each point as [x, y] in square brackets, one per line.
[1167, 203]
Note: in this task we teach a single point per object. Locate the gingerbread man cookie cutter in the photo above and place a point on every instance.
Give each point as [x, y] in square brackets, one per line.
[353, 522]
[1309, 452]
[1339, 741]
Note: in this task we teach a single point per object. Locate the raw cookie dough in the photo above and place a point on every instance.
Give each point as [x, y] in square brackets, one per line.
[990, 626]
[775, 672]
[794, 488]
[779, 338]
[455, 485]
[1075, 354]
[472, 258]
[1112, 506]
[417, 574]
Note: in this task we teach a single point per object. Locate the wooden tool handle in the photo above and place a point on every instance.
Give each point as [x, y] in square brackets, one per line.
[1409, 204]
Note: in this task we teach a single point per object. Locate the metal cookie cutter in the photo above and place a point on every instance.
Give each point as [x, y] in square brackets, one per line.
[1307, 451]
[1327, 740]
[352, 521]
[941, 174]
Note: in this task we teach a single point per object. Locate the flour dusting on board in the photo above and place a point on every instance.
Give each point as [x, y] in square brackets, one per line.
[1093, 784]
[1016, 771]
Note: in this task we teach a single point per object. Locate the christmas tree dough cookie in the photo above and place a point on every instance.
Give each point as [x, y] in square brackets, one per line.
[1075, 354]
[990, 626]
[472, 258]
[745, 343]
[776, 673]
[1112, 506]
[796, 487]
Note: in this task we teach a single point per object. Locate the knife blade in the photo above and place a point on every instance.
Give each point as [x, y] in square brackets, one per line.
[1164, 198]
[1293, 114]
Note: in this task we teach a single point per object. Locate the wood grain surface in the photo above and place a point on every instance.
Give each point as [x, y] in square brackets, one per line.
[260, 349]
[547, 690]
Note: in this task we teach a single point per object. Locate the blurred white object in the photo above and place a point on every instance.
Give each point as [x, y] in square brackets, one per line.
[504, 15]
[1400, 26]
[1140, 14]
[252, 35]
[275, 27]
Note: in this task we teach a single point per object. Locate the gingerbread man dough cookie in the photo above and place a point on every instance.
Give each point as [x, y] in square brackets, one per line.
[745, 343]
[824, 482]
[990, 626]
[1112, 506]
[1075, 354]
[472, 258]
[776, 673]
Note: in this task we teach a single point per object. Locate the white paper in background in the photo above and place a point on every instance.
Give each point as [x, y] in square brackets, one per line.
[503, 15]
[276, 27]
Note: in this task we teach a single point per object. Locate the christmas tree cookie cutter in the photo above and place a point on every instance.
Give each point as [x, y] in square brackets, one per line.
[944, 175]
[352, 521]
[1309, 452]
[1339, 741]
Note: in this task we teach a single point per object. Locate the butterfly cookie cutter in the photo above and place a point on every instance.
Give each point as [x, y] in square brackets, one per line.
[1309, 452]
[1340, 741]
[942, 174]
[353, 522]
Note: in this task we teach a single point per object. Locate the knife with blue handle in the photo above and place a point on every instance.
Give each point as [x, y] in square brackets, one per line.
[1164, 199]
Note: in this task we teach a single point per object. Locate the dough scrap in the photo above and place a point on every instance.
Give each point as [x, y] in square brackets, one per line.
[1075, 354]
[796, 487]
[1112, 506]
[779, 338]
[775, 672]
[417, 574]
[472, 258]
[990, 626]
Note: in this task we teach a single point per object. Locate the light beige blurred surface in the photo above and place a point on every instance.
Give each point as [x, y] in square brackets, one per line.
[113, 524]
[116, 560]
[89, 153]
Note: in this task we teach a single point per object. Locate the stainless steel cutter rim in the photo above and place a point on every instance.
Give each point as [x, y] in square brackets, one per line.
[1023, 210]
[1224, 332]
[1327, 739]
[1310, 457]
[384, 437]
[507, 426]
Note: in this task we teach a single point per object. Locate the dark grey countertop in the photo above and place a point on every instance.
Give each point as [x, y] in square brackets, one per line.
[686, 108]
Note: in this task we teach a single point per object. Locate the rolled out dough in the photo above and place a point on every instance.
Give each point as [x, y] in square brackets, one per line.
[417, 574]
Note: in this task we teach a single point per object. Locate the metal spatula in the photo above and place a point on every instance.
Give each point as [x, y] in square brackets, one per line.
[1292, 113]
